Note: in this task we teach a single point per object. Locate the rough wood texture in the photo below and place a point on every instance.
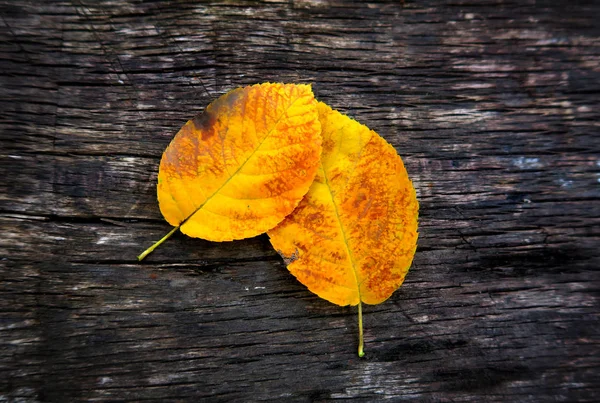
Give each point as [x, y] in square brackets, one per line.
[494, 106]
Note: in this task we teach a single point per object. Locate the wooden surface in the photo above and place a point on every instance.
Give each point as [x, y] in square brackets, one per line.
[493, 105]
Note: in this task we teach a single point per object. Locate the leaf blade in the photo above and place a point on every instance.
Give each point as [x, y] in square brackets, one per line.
[355, 231]
[204, 176]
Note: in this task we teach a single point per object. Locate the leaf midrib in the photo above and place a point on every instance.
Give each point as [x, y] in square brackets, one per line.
[337, 215]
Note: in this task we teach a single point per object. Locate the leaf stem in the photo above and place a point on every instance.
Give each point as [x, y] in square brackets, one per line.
[361, 342]
[156, 244]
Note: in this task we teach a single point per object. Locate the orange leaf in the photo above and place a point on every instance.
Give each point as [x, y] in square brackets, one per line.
[353, 236]
[237, 169]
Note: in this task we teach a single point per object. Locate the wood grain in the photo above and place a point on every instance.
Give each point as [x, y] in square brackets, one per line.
[493, 105]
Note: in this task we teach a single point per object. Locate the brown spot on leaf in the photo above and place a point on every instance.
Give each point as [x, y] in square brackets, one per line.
[205, 124]
[314, 220]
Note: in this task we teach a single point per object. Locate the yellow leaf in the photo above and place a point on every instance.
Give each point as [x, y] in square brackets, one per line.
[237, 169]
[353, 236]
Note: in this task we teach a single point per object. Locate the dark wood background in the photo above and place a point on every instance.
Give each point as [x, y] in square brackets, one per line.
[493, 105]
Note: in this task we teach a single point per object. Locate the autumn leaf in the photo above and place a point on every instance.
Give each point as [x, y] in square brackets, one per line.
[353, 236]
[237, 169]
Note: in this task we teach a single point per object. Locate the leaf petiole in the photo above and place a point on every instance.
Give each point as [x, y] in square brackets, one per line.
[156, 244]
[361, 341]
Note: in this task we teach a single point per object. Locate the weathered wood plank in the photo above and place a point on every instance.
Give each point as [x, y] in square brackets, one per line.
[493, 106]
